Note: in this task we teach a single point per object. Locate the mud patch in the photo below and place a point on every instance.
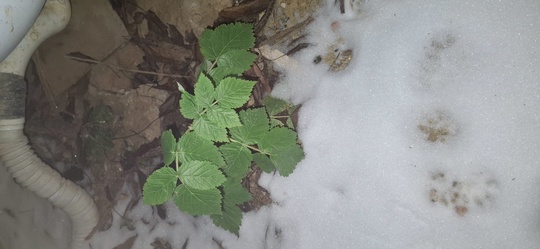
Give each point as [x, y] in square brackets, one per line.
[434, 58]
[438, 127]
[463, 194]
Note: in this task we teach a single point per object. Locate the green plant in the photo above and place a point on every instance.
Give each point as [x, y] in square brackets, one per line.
[215, 154]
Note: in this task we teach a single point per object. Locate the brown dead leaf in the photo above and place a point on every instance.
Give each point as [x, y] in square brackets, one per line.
[161, 243]
[261, 197]
[243, 10]
[128, 244]
[155, 26]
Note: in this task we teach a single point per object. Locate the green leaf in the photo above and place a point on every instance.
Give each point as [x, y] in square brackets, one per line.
[218, 74]
[232, 63]
[205, 65]
[236, 62]
[233, 93]
[201, 175]
[255, 126]
[188, 108]
[196, 201]
[230, 220]
[264, 162]
[289, 123]
[194, 148]
[276, 139]
[234, 192]
[223, 117]
[204, 91]
[274, 106]
[238, 159]
[168, 147]
[209, 130]
[215, 43]
[159, 186]
[275, 122]
[286, 159]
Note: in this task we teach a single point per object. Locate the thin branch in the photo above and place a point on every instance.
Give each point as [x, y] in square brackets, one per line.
[124, 69]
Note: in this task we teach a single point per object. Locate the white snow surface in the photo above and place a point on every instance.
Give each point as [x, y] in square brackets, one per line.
[28, 221]
[371, 177]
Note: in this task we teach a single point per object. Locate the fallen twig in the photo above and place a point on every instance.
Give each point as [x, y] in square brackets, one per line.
[74, 56]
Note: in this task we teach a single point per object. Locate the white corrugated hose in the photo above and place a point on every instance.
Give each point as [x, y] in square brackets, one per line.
[15, 153]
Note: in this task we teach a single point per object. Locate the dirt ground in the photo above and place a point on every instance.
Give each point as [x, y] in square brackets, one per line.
[102, 91]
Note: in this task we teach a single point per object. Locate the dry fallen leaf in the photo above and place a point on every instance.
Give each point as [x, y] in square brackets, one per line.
[128, 244]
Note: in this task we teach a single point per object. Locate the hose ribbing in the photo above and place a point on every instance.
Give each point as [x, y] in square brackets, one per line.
[15, 153]
[31, 172]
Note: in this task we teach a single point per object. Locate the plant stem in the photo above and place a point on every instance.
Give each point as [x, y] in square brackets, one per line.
[206, 109]
[247, 146]
[176, 161]
[212, 66]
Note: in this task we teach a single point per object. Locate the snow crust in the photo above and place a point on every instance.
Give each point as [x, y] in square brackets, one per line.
[428, 139]
[28, 221]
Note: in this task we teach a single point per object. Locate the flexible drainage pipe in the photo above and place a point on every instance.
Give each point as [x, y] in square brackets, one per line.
[15, 153]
